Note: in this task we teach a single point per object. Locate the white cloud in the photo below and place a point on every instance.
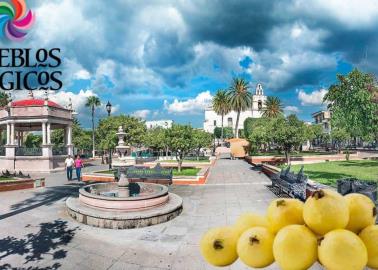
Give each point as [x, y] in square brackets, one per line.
[190, 106]
[313, 98]
[82, 74]
[141, 113]
[292, 109]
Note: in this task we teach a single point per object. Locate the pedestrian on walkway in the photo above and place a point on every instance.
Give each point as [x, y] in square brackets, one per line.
[69, 162]
[78, 165]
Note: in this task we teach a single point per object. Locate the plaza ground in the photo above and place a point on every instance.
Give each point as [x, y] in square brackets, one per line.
[36, 233]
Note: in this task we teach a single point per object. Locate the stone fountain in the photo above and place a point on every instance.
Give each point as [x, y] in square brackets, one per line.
[123, 205]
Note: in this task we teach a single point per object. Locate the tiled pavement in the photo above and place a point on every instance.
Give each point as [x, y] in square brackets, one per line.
[36, 233]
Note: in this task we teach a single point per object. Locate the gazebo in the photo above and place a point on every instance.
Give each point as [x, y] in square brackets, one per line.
[28, 115]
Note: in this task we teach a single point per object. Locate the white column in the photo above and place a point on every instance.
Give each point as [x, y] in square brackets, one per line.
[69, 135]
[48, 133]
[12, 134]
[8, 133]
[43, 133]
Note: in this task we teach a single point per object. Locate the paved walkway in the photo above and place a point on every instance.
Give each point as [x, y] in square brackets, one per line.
[36, 233]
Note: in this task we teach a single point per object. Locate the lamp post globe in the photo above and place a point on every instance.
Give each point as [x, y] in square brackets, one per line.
[109, 108]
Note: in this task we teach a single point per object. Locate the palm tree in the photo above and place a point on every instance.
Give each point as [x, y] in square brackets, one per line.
[93, 102]
[4, 99]
[273, 107]
[221, 105]
[240, 99]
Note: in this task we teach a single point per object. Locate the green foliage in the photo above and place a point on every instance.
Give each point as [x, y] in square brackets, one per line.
[4, 99]
[93, 102]
[201, 139]
[314, 132]
[221, 106]
[240, 98]
[33, 140]
[155, 139]
[273, 107]
[353, 103]
[339, 137]
[107, 128]
[227, 133]
[259, 132]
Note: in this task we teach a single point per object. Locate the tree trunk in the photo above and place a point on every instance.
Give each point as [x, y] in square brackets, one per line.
[93, 133]
[222, 128]
[237, 125]
[287, 156]
[179, 162]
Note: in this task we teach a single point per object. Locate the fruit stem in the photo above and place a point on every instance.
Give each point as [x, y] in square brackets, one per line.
[253, 240]
[318, 194]
[218, 244]
[280, 203]
[374, 211]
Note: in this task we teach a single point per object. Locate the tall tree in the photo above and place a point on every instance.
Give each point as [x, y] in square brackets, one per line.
[240, 99]
[339, 137]
[354, 104]
[201, 139]
[4, 99]
[273, 107]
[180, 141]
[221, 105]
[92, 103]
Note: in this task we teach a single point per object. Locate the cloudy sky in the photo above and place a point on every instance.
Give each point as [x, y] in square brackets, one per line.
[165, 59]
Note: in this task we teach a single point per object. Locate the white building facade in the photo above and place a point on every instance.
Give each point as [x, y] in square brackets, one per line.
[213, 120]
[159, 123]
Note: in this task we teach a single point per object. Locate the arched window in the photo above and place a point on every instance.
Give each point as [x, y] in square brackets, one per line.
[259, 105]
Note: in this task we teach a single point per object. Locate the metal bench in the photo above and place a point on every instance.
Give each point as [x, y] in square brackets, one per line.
[158, 174]
[354, 185]
[294, 185]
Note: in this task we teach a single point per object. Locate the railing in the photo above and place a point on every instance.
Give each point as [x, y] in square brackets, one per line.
[59, 151]
[2, 151]
[23, 151]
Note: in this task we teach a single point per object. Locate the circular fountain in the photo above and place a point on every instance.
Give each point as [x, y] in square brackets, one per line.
[124, 205]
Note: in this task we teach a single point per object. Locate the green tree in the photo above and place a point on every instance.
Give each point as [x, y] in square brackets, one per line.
[33, 140]
[221, 106]
[179, 139]
[92, 103]
[314, 132]
[273, 107]
[201, 139]
[354, 104]
[288, 133]
[227, 133]
[155, 139]
[4, 99]
[339, 137]
[258, 132]
[134, 128]
[240, 99]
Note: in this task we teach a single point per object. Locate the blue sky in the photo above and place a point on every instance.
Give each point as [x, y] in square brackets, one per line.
[165, 59]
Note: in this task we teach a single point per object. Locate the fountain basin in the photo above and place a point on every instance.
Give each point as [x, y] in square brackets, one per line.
[105, 195]
[103, 205]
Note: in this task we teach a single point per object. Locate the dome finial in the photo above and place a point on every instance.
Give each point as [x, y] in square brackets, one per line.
[30, 94]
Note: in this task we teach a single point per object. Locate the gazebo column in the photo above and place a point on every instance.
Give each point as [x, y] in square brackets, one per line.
[68, 132]
[46, 145]
[8, 134]
[48, 133]
[10, 148]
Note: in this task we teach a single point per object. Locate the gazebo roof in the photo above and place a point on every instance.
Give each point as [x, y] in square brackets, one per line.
[34, 102]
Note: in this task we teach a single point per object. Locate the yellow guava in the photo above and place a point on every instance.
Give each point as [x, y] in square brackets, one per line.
[362, 212]
[255, 247]
[342, 250]
[369, 236]
[326, 210]
[249, 220]
[218, 246]
[295, 248]
[283, 212]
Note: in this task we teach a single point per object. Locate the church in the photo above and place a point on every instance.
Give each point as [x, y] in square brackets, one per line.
[213, 120]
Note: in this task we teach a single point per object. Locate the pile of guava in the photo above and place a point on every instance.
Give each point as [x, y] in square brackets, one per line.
[337, 231]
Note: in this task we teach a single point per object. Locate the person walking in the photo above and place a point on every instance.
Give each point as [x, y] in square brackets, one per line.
[78, 165]
[69, 162]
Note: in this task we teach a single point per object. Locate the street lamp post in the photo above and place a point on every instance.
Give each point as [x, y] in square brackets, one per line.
[109, 110]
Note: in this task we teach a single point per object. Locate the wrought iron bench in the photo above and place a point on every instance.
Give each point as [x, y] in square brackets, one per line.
[294, 185]
[354, 185]
[158, 174]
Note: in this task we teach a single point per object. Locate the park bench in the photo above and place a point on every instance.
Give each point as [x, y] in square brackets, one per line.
[158, 174]
[290, 183]
[354, 185]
